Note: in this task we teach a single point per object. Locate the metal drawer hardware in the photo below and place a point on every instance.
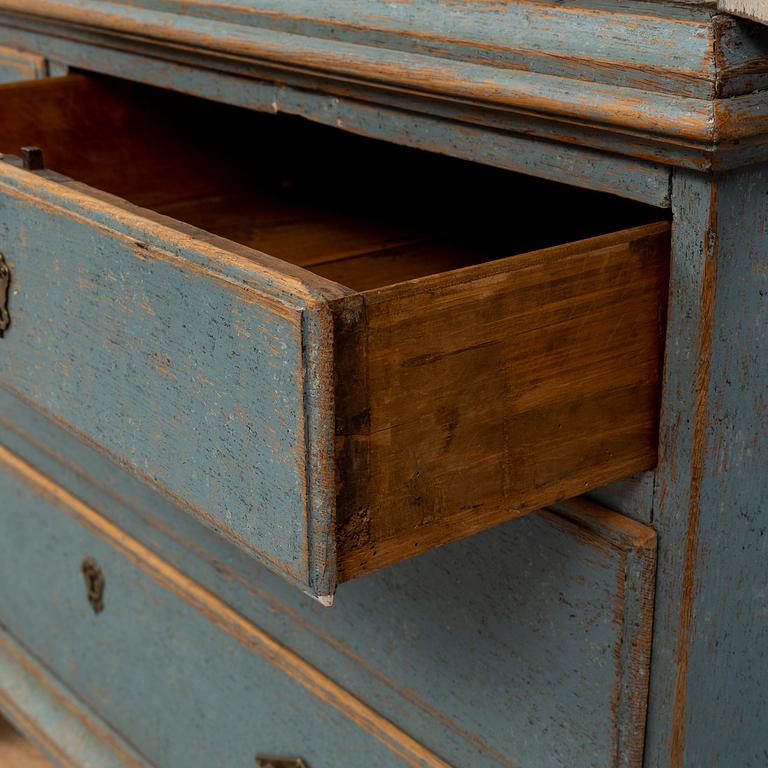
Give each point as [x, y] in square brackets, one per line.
[263, 761]
[32, 158]
[94, 583]
[5, 281]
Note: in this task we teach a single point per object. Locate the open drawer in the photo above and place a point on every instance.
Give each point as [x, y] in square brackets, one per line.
[337, 353]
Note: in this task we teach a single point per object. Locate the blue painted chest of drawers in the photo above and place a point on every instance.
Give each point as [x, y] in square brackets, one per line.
[304, 295]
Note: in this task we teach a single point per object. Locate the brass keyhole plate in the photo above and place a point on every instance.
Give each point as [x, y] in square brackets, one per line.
[94, 583]
[5, 281]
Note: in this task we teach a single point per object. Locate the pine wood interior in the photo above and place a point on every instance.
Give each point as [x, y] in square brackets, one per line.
[357, 211]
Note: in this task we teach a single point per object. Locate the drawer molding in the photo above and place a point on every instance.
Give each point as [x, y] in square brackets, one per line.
[630, 99]
[169, 578]
[585, 551]
[50, 716]
[634, 613]
[21, 65]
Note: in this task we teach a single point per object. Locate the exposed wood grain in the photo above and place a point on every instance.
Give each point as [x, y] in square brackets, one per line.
[499, 389]
[211, 318]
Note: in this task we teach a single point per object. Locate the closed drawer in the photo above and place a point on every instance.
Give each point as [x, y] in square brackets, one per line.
[524, 646]
[147, 649]
[361, 353]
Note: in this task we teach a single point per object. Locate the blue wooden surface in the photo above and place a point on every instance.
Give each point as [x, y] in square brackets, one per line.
[506, 35]
[422, 125]
[708, 701]
[498, 650]
[645, 84]
[200, 373]
[17, 65]
[204, 697]
[46, 712]
[632, 496]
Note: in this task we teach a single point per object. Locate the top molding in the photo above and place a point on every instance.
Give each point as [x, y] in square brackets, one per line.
[675, 83]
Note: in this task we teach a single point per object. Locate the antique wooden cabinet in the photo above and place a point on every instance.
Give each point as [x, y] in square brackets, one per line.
[384, 383]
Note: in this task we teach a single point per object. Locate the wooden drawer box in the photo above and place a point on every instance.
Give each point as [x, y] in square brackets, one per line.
[337, 353]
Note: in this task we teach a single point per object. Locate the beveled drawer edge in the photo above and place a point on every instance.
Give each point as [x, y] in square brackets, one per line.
[260, 279]
[226, 618]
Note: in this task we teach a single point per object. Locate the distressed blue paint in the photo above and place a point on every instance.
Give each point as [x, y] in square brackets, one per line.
[201, 697]
[562, 89]
[494, 651]
[69, 733]
[632, 496]
[709, 671]
[504, 35]
[18, 65]
[196, 379]
[423, 125]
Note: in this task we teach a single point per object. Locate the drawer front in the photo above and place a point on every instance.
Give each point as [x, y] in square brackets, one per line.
[182, 361]
[527, 645]
[184, 678]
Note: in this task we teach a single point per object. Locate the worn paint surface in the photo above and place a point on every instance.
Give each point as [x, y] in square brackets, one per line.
[632, 496]
[708, 704]
[500, 650]
[48, 714]
[423, 125]
[196, 655]
[650, 85]
[184, 362]
[19, 65]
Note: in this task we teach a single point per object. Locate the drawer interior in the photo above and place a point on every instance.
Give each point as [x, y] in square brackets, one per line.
[359, 212]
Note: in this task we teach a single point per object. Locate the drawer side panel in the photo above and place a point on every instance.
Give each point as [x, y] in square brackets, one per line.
[499, 389]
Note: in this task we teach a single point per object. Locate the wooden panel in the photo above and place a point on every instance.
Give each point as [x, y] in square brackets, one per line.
[631, 496]
[68, 732]
[18, 65]
[182, 360]
[655, 88]
[750, 9]
[233, 692]
[643, 180]
[489, 392]
[206, 366]
[526, 646]
[711, 628]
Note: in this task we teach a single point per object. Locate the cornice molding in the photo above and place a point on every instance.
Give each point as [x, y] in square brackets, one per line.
[661, 82]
